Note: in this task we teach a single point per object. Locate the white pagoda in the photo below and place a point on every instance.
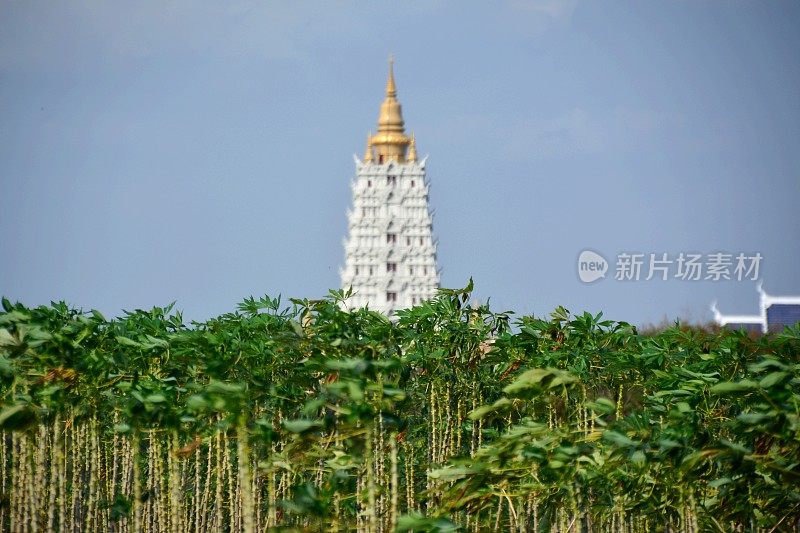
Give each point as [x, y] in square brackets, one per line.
[390, 254]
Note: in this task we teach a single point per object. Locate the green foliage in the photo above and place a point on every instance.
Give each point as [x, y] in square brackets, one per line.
[447, 418]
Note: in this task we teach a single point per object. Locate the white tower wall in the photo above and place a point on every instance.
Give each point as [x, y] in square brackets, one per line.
[390, 253]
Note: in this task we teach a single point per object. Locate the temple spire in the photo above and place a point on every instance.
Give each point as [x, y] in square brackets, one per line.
[411, 156]
[391, 116]
[368, 152]
[391, 89]
[390, 142]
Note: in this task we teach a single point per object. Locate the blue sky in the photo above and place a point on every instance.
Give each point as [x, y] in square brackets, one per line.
[201, 152]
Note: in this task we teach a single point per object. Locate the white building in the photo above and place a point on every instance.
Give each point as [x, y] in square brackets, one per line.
[390, 253]
[775, 313]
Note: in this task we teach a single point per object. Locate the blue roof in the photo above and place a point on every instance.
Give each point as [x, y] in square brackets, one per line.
[781, 315]
[749, 327]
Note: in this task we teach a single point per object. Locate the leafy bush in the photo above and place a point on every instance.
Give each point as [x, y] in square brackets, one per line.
[307, 417]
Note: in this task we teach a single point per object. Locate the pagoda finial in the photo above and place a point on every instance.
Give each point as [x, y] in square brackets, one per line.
[412, 150]
[368, 152]
[391, 89]
[391, 116]
[390, 142]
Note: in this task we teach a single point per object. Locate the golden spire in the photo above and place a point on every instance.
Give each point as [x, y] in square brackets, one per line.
[391, 89]
[412, 150]
[391, 117]
[390, 142]
[368, 152]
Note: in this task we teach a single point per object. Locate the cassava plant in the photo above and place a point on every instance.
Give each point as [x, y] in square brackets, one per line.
[307, 417]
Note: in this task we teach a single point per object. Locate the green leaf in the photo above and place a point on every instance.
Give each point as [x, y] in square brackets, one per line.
[301, 425]
[298, 328]
[618, 439]
[122, 428]
[156, 398]
[765, 363]
[539, 378]
[354, 390]
[668, 444]
[349, 364]
[719, 482]
[754, 418]
[500, 405]
[602, 405]
[419, 523]
[638, 457]
[226, 389]
[6, 338]
[125, 341]
[733, 387]
[773, 379]
[17, 417]
[13, 317]
[6, 367]
[453, 473]
[342, 461]
[196, 402]
[154, 342]
[735, 446]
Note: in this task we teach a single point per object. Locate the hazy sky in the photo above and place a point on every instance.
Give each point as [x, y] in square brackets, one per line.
[202, 151]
